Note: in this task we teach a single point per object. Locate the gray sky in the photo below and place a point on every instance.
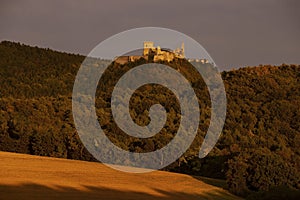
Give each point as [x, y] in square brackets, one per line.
[234, 32]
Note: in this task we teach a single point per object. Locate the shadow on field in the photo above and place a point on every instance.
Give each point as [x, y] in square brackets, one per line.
[35, 191]
[215, 182]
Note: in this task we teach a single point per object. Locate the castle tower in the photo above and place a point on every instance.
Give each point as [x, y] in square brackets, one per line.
[182, 50]
[148, 45]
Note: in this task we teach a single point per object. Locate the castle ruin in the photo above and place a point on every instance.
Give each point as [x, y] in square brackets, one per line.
[155, 53]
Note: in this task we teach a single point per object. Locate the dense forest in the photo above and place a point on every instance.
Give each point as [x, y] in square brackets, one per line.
[258, 151]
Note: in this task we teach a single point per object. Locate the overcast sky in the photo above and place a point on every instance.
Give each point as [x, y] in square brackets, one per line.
[235, 33]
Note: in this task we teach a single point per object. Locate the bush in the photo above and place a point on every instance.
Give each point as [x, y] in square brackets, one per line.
[259, 170]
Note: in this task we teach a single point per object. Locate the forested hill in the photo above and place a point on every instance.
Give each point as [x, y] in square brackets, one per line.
[259, 149]
[28, 72]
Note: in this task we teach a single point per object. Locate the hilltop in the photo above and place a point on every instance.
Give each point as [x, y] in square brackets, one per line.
[258, 150]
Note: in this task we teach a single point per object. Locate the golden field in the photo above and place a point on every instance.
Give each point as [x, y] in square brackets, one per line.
[34, 177]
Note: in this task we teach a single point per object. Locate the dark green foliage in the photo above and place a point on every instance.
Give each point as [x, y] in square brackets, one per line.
[260, 170]
[276, 193]
[259, 149]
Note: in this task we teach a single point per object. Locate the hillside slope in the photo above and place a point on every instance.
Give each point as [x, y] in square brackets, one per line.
[259, 148]
[34, 177]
